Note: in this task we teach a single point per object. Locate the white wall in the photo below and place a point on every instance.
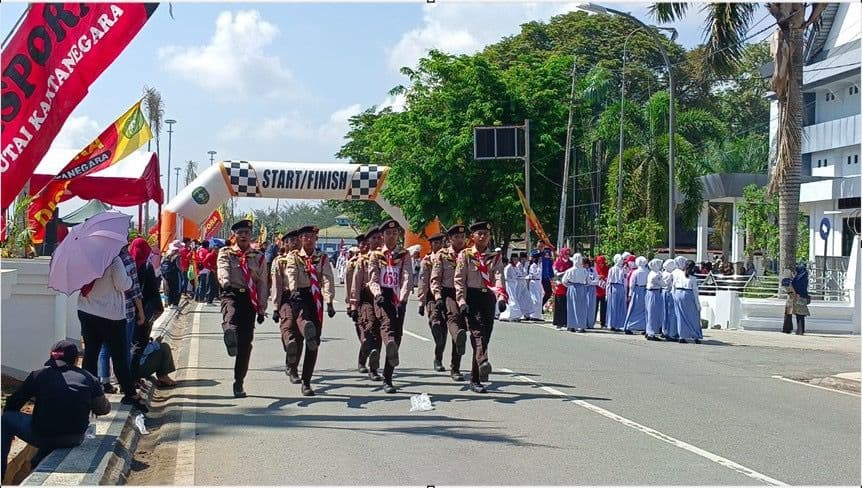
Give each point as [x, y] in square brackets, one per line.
[844, 103]
[846, 25]
[816, 213]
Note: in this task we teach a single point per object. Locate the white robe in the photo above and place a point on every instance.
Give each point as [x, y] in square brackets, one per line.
[513, 288]
[536, 292]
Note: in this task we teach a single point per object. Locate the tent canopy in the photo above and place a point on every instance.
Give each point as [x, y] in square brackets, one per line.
[83, 213]
[132, 181]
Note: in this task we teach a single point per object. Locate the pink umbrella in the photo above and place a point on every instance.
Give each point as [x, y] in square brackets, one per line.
[87, 251]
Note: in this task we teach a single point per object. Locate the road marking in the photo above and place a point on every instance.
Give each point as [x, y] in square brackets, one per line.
[184, 474]
[727, 463]
[833, 390]
[417, 336]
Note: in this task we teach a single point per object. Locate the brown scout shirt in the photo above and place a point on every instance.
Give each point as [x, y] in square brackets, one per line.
[423, 291]
[403, 264]
[279, 280]
[442, 271]
[348, 278]
[230, 275]
[359, 279]
[298, 277]
[467, 272]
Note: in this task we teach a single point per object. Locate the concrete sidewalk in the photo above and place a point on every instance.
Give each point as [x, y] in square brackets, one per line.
[843, 343]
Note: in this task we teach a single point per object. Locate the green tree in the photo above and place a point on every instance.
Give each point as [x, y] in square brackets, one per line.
[726, 26]
[758, 214]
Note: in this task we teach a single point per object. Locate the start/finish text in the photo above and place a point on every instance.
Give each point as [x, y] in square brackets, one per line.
[305, 180]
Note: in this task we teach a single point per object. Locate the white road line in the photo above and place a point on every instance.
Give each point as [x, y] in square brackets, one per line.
[727, 463]
[833, 390]
[417, 336]
[184, 474]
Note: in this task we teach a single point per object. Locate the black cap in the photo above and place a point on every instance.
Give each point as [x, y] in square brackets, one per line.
[389, 224]
[290, 234]
[242, 224]
[480, 226]
[308, 229]
[371, 231]
[522, 255]
[63, 353]
[360, 237]
[457, 229]
[437, 236]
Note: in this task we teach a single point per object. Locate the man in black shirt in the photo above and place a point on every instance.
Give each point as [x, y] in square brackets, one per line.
[64, 396]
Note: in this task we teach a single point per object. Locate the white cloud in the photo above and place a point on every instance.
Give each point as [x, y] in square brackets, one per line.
[294, 127]
[464, 28]
[76, 133]
[396, 102]
[234, 62]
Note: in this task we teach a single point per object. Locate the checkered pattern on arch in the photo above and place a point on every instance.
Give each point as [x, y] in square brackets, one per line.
[242, 178]
[364, 183]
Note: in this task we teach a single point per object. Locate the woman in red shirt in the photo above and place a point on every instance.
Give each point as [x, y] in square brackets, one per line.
[602, 272]
[560, 266]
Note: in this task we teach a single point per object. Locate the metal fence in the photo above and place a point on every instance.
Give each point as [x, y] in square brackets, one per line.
[828, 288]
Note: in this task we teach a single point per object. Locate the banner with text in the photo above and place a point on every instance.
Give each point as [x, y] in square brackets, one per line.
[59, 50]
[123, 137]
[212, 224]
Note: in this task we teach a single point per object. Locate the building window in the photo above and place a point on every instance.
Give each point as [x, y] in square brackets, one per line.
[856, 159]
[854, 90]
[848, 159]
[830, 96]
[818, 162]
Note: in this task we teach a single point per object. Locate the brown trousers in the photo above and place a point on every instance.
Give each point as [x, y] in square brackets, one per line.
[480, 323]
[239, 315]
[302, 312]
[391, 326]
[454, 322]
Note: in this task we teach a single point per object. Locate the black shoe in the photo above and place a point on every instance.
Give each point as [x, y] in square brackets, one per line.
[310, 335]
[461, 342]
[628, 332]
[373, 376]
[293, 375]
[306, 390]
[373, 360]
[438, 366]
[388, 388]
[238, 390]
[363, 369]
[682, 341]
[135, 402]
[697, 341]
[484, 371]
[651, 338]
[109, 388]
[477, 388]
[456, 376]
[392, 353]
[292, 353]
[230, 342]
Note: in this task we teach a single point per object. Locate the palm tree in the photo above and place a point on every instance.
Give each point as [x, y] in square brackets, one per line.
[191, 171]
[155, 109]
[726, 27]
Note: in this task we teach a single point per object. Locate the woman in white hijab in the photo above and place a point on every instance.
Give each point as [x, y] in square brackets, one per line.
[575, 278]
[687, 304]
[534, 286]
[616, 295]
[636, 317]
[513, 311]
[654, 301]
[669, 329]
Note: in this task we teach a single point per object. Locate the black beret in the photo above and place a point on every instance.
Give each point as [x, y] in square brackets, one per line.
[291, 234]
[457, 229]
[373, 230]
[389, 224]
[437, 236]
[360, 237]
[308, 229]
[242, 224]
[480, 226]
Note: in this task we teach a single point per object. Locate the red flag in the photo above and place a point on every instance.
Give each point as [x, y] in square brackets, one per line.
[212, 224]
[59, 50]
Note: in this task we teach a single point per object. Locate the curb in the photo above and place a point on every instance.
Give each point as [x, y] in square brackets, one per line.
[837, 383]
[107, 459]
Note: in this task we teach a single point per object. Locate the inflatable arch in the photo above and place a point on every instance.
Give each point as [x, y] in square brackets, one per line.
[186, 212]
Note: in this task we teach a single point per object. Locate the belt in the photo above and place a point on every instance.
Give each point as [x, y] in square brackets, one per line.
[481, 290]
[654, 289]
[236, 290]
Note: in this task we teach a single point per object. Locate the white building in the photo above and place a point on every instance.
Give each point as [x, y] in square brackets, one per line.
[832, 133]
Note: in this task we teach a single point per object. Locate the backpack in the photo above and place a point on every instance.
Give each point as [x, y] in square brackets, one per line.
[169, 265]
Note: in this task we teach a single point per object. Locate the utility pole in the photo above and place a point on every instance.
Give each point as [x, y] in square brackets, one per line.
[561, 223]
[170, 123]
[527, 180]
[177, 181]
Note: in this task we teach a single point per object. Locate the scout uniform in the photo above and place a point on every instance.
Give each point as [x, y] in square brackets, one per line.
[311, 283]
[436, 320]
[283, 314]
[389, 281]
[242, 277]
[479, 284]
[362, 306]
[352, 311]
[442, 287]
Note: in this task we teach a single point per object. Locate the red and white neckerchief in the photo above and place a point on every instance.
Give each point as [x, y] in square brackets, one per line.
[246, 275]
[315, 286]
[486, 278]
[391, 264]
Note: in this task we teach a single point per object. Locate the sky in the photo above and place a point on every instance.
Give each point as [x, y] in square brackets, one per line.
[278, 81]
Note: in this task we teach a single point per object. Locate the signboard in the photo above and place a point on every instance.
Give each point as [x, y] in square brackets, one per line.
[504, 142]
[825, 227]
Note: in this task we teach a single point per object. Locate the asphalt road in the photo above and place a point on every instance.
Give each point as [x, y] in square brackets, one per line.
[562, 408]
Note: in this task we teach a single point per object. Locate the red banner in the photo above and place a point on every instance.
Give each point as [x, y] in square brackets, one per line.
[120, 139]
[212, 224]
[48, 66]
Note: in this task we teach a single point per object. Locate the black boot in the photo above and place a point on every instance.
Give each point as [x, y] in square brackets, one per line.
[293, 374]
[456, 375]
[238, 390]
[477, 388]
[362, 369]
[438, 365]
[388, 387]
[306, 389]
[484, 371]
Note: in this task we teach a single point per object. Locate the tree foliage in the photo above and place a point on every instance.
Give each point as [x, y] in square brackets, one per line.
[758, 215]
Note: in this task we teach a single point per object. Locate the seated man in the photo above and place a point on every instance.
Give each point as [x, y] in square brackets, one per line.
[64, 397]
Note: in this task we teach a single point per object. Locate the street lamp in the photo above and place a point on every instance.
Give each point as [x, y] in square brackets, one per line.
[671, 230]
[212, 156]
[177, 181]
[170, 123]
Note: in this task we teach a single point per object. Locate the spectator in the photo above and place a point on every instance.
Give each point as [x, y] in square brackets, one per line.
[64, 395]
[170, 269]
[797, 299]
[157, 358]
[602, 305]
[134, 316]
[547, 271]
[102, 313]
[152, 304]
[185, 254]
[204, 274]
[560, 266]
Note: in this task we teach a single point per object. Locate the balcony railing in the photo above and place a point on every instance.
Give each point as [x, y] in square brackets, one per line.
[834, 133]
